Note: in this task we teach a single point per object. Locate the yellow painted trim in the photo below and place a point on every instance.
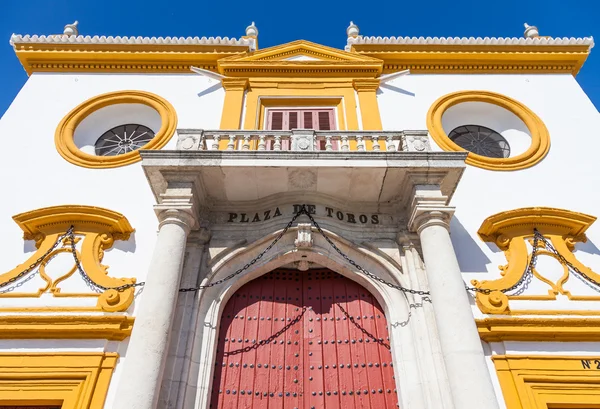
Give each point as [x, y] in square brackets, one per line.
[480, 59]
[231, 116]
[366, 89]
[510, 231]
[126, 58]
[542, 382]
[421, 58]
[66, 147]
[99, 228]
[303, 97]
[540, 138]
[496, 329]
[110, 327]
[69, 380]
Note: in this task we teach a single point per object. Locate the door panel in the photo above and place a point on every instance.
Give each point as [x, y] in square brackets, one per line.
[314, 339]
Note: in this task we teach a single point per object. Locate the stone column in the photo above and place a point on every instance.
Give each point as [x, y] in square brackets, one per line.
[468, 375]
[143, 368]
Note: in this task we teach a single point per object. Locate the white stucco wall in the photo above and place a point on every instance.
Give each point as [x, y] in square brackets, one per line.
[563, 179]
[36, 176]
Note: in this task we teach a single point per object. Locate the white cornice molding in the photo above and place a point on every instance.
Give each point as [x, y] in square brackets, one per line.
[70, 39]
[363, 40]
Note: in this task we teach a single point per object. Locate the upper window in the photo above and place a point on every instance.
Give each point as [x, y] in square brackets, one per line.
[288, 119]
[481, 140]
[123, 139]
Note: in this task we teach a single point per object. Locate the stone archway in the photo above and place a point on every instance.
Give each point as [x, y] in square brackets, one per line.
[314, 339]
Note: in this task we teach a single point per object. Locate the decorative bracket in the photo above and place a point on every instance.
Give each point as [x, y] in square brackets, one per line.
[99, 228]
[510, 231]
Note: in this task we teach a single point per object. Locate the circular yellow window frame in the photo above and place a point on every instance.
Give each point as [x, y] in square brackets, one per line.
[540, 138]
[65, 131]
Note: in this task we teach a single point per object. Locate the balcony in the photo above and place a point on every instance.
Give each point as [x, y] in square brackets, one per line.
[303, 140]
[371, 170]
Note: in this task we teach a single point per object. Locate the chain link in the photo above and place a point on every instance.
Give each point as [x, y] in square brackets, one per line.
[527, 273]
[33, 265]
[563, 260]
[251, 262]
[355, 264]
[273, 337]
[91, 283]
[363, 330]
[300, 212]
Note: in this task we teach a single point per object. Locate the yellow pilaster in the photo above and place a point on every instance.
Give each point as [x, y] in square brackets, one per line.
[369, 108]
[231, 117]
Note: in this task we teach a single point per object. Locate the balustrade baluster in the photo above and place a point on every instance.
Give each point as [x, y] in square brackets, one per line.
[376, 146]
[390, 143]
[328, 144]
[345, 146]
[246, 144]
[277, 144]
[231, 144]
[202, 142]
[261, 142]
[360, 145]
[215, 142]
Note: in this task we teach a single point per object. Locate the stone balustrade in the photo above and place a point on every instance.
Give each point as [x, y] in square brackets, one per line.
[303, 140]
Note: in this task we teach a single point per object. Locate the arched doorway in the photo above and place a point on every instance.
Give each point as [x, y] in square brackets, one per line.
[313, 339]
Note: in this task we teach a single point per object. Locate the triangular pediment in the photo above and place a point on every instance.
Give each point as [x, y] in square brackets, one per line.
[304, 48]
[300, 57]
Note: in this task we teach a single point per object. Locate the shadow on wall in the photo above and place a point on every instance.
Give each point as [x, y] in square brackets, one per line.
[210, 89]
[471, 258]
[127, 246]
[587, 247]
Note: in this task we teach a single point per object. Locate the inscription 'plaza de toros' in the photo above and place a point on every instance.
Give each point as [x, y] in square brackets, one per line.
[263, 216]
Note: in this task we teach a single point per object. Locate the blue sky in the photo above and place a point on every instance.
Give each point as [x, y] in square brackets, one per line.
[320, 21]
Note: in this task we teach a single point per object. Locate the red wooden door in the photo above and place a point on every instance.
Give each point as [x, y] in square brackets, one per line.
[304, 340]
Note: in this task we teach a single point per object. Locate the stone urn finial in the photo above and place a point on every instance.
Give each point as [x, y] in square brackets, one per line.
[71, 29]
[251, 30]
[531, 31]
[352, 30]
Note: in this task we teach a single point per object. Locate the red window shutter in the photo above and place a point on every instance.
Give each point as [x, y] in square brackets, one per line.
[276, 121]
[325, 120]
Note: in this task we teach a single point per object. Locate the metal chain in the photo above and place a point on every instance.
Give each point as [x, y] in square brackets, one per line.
[91, 283]
[262, 342]
[251, 262]
[363, 330]
[563, 260]
[526, 273]
[33, 265]
[239, 271]
[356, 265]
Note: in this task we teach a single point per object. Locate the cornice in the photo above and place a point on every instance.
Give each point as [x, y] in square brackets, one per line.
[513, 222]
[538, 329]
[476, 55]
[366, 84]
[500, 41]
[61, 53]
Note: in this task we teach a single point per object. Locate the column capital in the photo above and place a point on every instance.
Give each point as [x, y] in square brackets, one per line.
[366, 84]
[429, 208]
[235, 84]
[177, 205]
